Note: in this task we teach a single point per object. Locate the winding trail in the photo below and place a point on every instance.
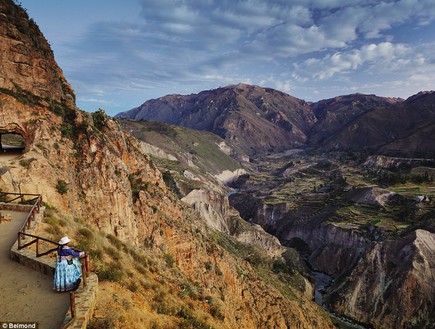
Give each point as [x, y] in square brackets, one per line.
[26, 295]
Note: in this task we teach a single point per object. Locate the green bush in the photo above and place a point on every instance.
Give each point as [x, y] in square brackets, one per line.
[169, 259]
[110, 272]
[100, 119]
[86, 233]
[62, 186]
[26, 162]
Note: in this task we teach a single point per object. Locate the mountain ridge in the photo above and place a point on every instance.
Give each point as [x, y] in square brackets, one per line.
[246, 115]
[263, 120]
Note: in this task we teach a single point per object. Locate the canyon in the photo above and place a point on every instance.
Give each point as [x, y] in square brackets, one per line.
[346, 199]
[223, 225]
[158, 262]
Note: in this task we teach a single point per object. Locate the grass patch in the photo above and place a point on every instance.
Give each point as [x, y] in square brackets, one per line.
[26, 162]
[86, 233]
[110, 272]
[169, 260]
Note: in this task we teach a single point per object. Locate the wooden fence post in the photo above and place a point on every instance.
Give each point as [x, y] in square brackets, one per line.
[72, 298]
[87, 262]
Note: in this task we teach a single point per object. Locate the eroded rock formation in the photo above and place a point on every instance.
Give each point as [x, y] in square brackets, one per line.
[392, 284]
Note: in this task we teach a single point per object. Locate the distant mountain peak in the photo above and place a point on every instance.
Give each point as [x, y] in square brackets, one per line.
[258, 119]
[264, 120]
[422, 96]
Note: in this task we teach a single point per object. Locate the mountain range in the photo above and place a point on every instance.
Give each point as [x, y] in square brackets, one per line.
[263, 120]
[185, 231]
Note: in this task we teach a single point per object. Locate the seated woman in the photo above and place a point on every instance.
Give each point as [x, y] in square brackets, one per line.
[68, 268]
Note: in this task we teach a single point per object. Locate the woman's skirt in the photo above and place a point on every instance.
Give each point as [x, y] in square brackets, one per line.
[66, 276]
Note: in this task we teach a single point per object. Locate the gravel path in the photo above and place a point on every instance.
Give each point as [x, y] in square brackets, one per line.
[26, 295]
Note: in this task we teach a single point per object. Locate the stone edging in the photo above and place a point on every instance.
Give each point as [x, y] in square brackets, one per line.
[85, 297]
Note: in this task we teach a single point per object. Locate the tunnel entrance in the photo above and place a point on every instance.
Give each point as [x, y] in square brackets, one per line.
[11, 145]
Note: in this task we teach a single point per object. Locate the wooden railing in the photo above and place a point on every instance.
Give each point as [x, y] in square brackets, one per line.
[36, 202]
[83, 260]
[36, 239]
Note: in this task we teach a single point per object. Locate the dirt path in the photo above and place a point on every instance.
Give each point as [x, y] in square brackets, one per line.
[26, 295]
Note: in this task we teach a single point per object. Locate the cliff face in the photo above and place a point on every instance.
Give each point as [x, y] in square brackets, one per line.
[114, 187]
[380, 279]
[97, 176]
[215, 209]
[26, 58]
[391, 284]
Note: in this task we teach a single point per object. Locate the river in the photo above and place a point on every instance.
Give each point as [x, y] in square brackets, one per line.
[322, 282]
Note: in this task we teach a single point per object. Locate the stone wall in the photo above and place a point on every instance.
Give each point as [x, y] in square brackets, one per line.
[85, 296]
[15, 207]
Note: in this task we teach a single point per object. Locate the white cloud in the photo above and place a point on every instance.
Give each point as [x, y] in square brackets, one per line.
[293, 46]
[384, 56]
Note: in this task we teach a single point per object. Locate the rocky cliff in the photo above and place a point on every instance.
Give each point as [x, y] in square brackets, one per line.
[391, 285]
[215, 209]
[27, 61]
[101, 185]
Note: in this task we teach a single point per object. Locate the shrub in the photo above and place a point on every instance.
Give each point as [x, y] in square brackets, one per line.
[169, 259]
[133, 286]
[216, 312]
[100, 119]
[142, 270]
[86, 233]
[208, 266]
[110, 272]
[62, 186]
[113, 253]
[190, 321]
[115, 241]
[54, 230]
[26, 162]
[189, 290]
[104, 323]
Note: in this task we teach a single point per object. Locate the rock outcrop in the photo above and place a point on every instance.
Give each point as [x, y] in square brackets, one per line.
[385, 283]
[215, 209]
[27, 61]
[392, 284]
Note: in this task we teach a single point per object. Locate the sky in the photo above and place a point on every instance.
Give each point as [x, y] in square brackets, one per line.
[119, 54]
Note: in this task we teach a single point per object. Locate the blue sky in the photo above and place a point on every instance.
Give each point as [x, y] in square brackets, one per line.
[118, 54]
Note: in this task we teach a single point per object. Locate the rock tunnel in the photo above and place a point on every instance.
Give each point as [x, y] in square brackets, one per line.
[11, 143]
